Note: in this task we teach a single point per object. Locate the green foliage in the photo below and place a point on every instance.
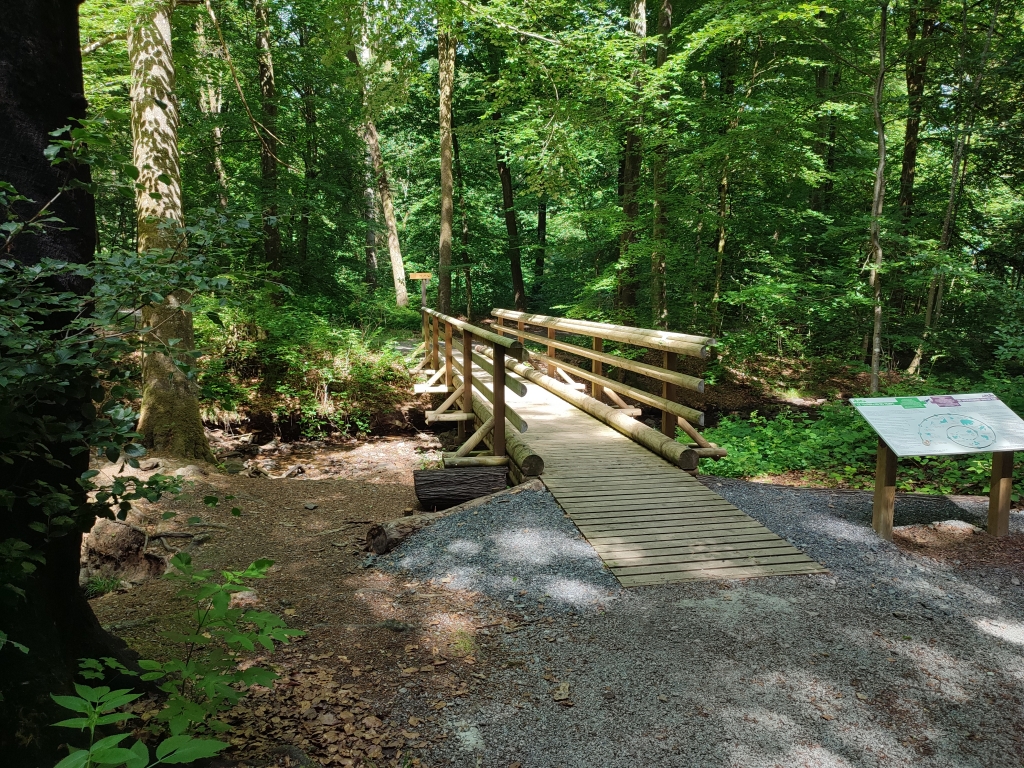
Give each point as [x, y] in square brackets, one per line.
[102, 585]
[204, 678]
[97, 707]
[835, 447]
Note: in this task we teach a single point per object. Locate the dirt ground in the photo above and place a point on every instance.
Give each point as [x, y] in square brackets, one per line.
[370, 638]
[388, 667]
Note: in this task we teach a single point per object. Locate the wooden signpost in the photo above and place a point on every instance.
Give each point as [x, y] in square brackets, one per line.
[424, 278]
[942, 425]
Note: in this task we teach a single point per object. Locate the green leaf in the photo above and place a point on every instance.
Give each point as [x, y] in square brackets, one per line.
[73, 722]
[211, 501]
[193, 749]
[112, 756]
[74, 760]
[215, 319]
[74, 703]
[141, 756]
[236, 512]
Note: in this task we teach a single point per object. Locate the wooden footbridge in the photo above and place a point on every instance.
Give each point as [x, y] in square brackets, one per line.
[629, 488]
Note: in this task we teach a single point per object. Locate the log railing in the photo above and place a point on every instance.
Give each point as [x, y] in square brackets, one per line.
[450, 365]
[671, 345]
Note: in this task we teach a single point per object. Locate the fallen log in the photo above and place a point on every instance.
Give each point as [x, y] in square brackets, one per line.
[443, 488]
[383, 537]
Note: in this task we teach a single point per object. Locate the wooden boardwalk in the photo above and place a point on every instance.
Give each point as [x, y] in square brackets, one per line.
[650, 521]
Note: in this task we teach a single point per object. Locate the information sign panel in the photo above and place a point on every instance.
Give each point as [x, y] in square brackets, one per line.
[941, 425]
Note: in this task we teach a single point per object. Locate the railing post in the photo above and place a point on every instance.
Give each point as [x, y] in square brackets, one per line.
[552, 368]
[498, 431]
[426, 335]
[436, 346]
[596, 368]
[668, 391]
[447, 354]
[521, 326]
[467, 379]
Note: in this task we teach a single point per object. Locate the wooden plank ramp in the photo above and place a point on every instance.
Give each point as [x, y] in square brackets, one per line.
[650, 521]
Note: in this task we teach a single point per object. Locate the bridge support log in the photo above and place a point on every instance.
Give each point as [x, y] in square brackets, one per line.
[521, 457]
[676, 453]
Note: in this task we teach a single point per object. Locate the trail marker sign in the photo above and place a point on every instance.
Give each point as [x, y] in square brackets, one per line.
[942, 425]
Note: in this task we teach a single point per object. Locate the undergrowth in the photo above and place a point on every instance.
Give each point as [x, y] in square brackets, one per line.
[835, 447]
[300, 364]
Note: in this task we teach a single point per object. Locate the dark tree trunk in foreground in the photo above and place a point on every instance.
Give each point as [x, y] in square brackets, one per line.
[40, 91]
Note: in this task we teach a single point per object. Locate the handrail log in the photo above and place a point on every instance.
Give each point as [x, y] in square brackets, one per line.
[517, 421]
[522, 455]
[512, 347]
[686, 344]
[514, 384]
[692, 383]
[690, 414]
[676, 453]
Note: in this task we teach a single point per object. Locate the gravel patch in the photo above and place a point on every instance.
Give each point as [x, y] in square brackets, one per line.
[890, 660]
[519, 549]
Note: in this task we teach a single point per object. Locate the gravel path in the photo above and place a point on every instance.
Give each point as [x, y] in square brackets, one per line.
[520, 549]
[890, 660]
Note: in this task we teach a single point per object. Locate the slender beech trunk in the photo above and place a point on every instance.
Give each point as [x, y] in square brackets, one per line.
[369, 216]
[826, 82]
[877, 202]
[728, 90]
[464, 256]
[370, 136]
[387, 205]
[632, 158]
[917, 66]
[512, 228]
[659, 301]
[958, 171]
[211, 101]
[268, 143]
[446, 45]
[170, 421]
[310, 168]
[542, 246]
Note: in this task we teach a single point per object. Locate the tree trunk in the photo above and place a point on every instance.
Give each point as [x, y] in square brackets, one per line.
[211, 101]
[388, 207]
[512, 228]
[170, 421]
[958, 170]
[659, 300]
[40, 91]
[542, 246]
[464, 256]
[446, 45]
[369, 216]
[917, 64]
[310, 158]
[268, 141]
[878, 200]
[632, 158]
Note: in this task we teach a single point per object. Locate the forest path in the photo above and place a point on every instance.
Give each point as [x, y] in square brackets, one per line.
[651, 522]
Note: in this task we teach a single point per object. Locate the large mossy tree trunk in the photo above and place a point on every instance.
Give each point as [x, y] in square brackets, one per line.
[40, 91]
[170, 422]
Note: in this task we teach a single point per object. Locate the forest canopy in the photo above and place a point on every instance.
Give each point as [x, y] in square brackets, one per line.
[699, 166]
